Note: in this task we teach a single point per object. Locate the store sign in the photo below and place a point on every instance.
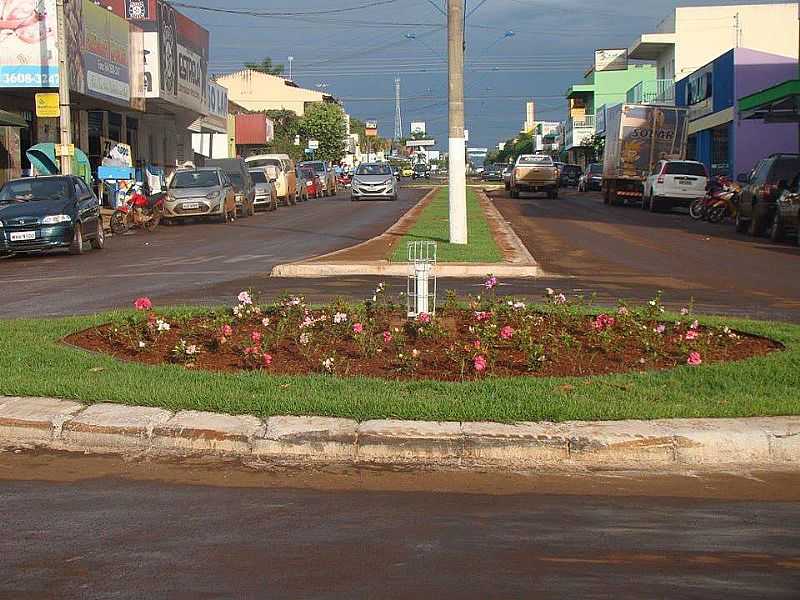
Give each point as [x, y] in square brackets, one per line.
[615, 59]
[700, 93]
[600, 120]
[47, 105]
[313, 144]
[106, 47]
[137, 10]
[116, 154]
[28, 46]
[418, 127]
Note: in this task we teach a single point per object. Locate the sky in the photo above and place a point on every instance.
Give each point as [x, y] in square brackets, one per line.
[357, 54]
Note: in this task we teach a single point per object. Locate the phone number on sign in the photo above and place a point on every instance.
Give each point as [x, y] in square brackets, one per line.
[28, 80]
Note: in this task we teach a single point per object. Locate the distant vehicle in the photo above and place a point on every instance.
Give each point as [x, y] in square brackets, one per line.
[592, 179]
[307, 177]
[49, 213]
[786, 222]
[407, 172]
[534, 173]
[420, 171]
[638, 136]
[674, 183]
[266, 196]
[326, 175]
[760, 191]
[396, 172]
[507, 176]
[286, 178]
[373, 180]
[203, 192]
[569, 175]
[243, 186]
[493, 173]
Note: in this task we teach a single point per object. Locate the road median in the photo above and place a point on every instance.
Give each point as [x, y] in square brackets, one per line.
[64, 425]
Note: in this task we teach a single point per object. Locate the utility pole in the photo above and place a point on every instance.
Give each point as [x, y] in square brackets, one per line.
[398, 117]
[457, 176]
[291, 58]
[64, 119]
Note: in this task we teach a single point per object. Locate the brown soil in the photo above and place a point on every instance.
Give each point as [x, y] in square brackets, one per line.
[570, 345]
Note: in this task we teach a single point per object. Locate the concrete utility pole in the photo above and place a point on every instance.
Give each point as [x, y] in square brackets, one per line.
[457, 145]
[65, 119]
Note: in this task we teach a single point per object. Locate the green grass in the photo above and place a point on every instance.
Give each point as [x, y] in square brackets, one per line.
[433, 224]
[34, 363]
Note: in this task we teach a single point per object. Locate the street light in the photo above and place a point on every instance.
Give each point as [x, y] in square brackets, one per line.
[291, 58]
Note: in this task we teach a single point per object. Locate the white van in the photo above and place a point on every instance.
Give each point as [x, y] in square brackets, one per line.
[286, 180]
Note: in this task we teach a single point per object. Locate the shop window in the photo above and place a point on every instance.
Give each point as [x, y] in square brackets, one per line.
[720, 150]
[691, 148]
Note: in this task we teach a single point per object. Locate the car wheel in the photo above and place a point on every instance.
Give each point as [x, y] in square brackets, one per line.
[653, 204]
[76, 246]
[98, 242]
[756, 228]
[741, 224]
[776, 229]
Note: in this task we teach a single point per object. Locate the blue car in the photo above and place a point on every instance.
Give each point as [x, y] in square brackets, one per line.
[39, 214]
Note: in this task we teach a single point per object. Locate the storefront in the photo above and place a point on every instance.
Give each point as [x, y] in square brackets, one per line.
[718, 136]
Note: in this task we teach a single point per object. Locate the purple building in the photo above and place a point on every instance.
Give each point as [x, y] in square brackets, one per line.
[727, 144]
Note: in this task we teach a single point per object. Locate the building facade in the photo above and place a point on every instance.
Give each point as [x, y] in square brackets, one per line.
[258, 91]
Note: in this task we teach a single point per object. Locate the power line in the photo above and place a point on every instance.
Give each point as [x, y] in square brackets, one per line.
[254, 13]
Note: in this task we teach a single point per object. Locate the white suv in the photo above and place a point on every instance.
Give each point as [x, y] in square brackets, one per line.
[674, 183]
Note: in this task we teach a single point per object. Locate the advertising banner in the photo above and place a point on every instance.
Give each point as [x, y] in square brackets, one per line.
[183, 59]
[217, 105]
[418, 127]
[28, 47]
[614, 59]
[106, 48]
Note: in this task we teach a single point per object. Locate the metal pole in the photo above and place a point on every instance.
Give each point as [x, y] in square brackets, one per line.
[457, 145]
[64, 120]
[291, 58]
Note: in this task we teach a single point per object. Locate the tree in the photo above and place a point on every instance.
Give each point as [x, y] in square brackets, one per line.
[598, 145]
[325, 122]
[287, 126]
[265, 66]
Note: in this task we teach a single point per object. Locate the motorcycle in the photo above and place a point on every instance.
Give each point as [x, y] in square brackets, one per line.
[343, 180]
[719, 202]
[126, 216]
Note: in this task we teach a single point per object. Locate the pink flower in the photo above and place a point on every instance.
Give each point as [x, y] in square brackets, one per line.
[560, 299]
[227, 330]
[623, 311]
[684, 311]
[507, 332]
[602, 322]
[477, 344]
[479, 363]
[358, 328]
[244, 298]
[424, 318]
[490, 283]
[142, 303]
[387, 337]
[482, 315]
[694, 359]
[267, 358]
[250, 350]
[255, 337]
[660, 329]
[691, 335]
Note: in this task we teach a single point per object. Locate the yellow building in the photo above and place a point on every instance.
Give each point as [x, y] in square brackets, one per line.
[258, 91]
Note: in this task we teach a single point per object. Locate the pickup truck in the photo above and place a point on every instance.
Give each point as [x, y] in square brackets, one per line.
[534, 173]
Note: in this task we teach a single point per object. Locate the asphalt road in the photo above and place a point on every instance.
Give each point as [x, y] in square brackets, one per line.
[184, 262]
[228, 533]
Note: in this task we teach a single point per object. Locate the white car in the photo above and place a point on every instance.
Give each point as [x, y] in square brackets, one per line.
[674, 183]
[286, 177]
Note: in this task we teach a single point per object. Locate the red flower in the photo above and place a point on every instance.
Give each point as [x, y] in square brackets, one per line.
[602, 322]
[267, 359]
[358, 328]
[255, 337]
[424, 318]
[387, 337]
[482, 315]
[143, 303]
[479, 362]
[507, 332]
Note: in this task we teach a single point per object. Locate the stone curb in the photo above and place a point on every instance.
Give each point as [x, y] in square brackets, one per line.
[118, 429]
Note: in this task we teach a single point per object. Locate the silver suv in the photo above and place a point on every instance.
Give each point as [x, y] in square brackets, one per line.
[203, 192]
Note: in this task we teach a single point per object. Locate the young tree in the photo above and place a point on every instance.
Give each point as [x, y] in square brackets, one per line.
[325, 122]
[265, 66]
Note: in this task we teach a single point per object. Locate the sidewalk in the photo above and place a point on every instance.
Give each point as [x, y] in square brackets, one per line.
[668, 443]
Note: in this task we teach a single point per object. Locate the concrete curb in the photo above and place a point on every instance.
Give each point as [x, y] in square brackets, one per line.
[118, 429]
[518, 263]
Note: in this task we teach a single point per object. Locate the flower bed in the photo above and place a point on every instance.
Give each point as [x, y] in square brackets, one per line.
[486, 336]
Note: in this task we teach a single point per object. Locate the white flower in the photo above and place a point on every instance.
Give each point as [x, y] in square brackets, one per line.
[549, 291]
[695, 324]
[244, 298]
[339, 318]
[415, 353]
[162, 325]
[192, 350]
[237, 311]
[560, 299]
[265, 321]
[519, 305]
[652, 303]
[305, 338]
[684, 311]
[142, 344]
[328, 364]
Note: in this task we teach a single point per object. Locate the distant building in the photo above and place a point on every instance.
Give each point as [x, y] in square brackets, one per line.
[258, 91]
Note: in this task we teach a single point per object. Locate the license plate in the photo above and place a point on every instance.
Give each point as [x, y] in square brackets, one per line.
[23, 235]
[191, 205]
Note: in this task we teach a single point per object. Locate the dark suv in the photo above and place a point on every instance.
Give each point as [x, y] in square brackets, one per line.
[761, 189]
[570, 175]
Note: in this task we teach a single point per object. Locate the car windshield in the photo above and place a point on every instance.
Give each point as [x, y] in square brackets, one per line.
[258, 177]
[317, 166]
[685, 168]
[194, 179]
[24, 190]
[784, 169]
[308, 172]
[535, 160]
[374, 170]
[595, 169]
[419, 167]
[265, 162]
[236, 180]
[572, 169]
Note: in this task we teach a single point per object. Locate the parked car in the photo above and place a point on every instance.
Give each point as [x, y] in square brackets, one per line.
[266, 195]
[493, 173]
[592, 179]
[49, 213]
[286, 177]
[420, 171]
[201, 192]
[407, 171]
[507, 176]
[326, 175]
[373, 180]
[674, 183]
[309, 181]
[569, 175]
[243, 188]
[760, 191]
[534, 173]
[786, 222]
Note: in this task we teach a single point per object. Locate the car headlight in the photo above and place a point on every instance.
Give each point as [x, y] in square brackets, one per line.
[55, 219]
[388, 181]
[212, 195]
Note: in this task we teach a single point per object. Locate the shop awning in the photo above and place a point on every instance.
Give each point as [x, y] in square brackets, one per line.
[777, 104]
[8, 119]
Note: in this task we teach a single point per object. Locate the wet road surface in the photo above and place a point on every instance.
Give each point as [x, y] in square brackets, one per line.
[93, 527]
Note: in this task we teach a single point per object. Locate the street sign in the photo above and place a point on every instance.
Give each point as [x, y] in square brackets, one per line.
[66, 149]
[313, 144]
[297, 140]
[47, 105]
[371, 128]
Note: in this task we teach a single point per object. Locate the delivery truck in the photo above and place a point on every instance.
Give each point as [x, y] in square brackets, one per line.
[637, 137]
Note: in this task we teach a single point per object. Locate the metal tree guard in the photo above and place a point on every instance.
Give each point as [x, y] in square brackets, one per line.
[421, 289]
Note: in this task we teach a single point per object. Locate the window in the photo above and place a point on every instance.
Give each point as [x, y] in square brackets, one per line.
[545, 161]
[676, 167]
[258, 177]
[195, 179]
[374, 170]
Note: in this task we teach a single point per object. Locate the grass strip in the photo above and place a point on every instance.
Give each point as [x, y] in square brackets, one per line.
[34, 363]
[434, 225]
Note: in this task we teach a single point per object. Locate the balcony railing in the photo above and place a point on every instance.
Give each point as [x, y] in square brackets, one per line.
[657, 91]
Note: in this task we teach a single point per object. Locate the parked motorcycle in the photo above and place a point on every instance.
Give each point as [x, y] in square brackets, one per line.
[344, 180]
[719, 202]
[129, 214]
